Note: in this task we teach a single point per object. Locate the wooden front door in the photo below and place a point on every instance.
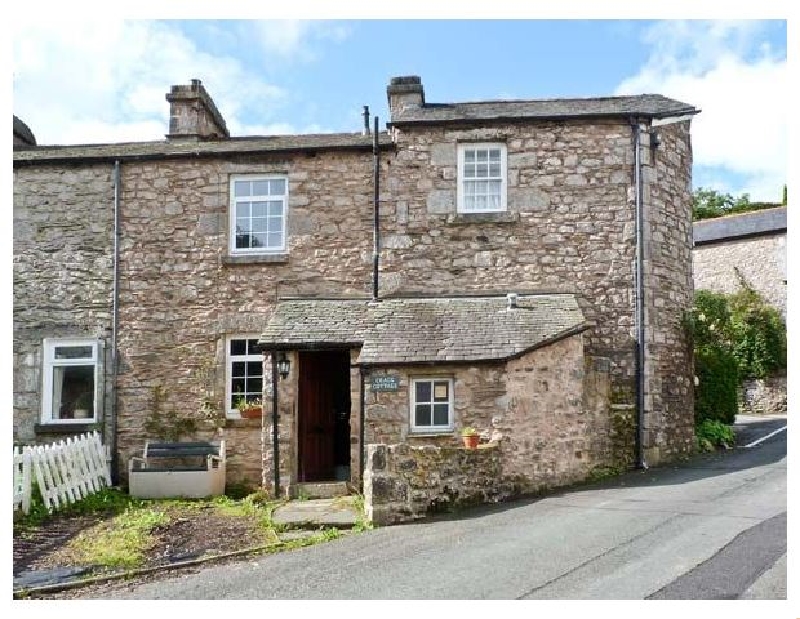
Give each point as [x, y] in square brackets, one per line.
[323, 377]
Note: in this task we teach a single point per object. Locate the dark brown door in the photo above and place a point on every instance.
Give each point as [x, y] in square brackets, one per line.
[320, 383]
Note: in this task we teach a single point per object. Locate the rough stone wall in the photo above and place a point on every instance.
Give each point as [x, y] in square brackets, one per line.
[403, 483]
[570, 225]
[62, 275]
[669, 395]
[764, 396]
[761, 260]
[181, 294]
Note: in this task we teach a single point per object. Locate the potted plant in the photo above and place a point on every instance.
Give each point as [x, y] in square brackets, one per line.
[251, 409]
[470, 437]
[84, 405]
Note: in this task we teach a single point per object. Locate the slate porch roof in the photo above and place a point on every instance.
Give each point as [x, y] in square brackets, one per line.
[424, 330]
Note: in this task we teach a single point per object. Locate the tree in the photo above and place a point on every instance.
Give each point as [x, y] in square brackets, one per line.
[708, 203]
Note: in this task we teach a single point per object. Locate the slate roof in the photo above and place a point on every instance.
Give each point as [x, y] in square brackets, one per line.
[423, 330]
[649, 105]
[172, 149]
[766, 221]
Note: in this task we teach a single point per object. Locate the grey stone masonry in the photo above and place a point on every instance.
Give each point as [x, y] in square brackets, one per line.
[193, 114]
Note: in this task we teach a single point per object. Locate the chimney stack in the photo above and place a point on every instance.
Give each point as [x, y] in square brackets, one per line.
[193, 115]
[403, 92]
[23, 136]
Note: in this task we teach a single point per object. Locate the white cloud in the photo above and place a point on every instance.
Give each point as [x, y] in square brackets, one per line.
[739, 83]
[106, 81]
[290, 38]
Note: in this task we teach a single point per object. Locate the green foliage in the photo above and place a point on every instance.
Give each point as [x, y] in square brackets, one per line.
[716, 394]
[711, 434]
[167, 426]
[104, 501]
[599, 473]
[734, 336]
[709, 203]
[758, 334]
[783, 199]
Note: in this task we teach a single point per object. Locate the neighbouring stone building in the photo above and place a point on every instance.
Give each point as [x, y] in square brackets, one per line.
[750, 247]
[506, 292]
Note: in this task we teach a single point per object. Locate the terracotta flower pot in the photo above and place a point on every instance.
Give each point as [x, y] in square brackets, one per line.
[471, 441]
[251, 413]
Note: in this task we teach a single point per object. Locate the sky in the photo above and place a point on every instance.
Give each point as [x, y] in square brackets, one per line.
[105, 81]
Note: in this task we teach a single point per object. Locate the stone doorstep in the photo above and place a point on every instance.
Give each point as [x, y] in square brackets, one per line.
[320, 490]
[314, 513]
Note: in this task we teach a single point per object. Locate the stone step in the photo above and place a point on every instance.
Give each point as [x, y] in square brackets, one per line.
[320, 490]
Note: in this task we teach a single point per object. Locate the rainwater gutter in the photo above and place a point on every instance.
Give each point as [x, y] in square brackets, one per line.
[376, 240]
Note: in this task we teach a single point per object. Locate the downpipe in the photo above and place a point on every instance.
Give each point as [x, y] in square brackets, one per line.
[639, 292]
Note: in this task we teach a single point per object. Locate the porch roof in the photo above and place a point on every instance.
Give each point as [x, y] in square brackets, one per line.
[424, 330]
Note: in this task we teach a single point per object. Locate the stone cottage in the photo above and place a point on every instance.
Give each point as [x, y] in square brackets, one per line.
[522, 249]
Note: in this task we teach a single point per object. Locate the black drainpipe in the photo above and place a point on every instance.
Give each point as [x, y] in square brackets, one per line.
[114, 327]
[361, 431]
[275, 454]
[639, 275]
[376, 245]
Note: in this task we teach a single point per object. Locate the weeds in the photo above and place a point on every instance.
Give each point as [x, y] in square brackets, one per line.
[711, 435]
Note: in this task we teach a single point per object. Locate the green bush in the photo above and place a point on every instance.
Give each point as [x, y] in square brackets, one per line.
[717, 390]
[712, 434]
[758, 335]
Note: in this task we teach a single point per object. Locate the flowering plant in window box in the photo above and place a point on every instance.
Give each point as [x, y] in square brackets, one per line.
[251, 409]
[470, 437]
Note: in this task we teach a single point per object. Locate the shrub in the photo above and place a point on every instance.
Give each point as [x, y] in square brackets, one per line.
[711, 435]
[758, 334]
[717, 390]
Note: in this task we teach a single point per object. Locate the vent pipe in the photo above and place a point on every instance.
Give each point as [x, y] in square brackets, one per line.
[365, 114]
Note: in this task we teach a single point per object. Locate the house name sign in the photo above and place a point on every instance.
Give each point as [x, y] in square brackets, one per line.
[384, 382]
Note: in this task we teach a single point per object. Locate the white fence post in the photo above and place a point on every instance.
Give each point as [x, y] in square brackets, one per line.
[65, 471]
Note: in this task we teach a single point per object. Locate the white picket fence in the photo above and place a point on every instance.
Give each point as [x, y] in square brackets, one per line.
[65, 471]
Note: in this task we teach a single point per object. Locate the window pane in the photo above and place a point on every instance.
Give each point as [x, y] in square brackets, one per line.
[242, 210]
[494, 154]
[469, 155]
[423, 391]
[494, 203]
[237, 386]
[260, 224]
[275, 225]
[258, 240]
[237, 347]
[469, 203]
[469, 170]
[481, 155]
[441, 391]
[480, 203]
[482, 171]
[242, 241]
[73, 392]
[260, 188]
[277, 187]
[422, 415]
[241, 188]
[252, 397]
[238, 368]
[259, 209]
[275, 208]
[254, 368]
[252, 347]
[494, 187]
[440, 414]
[254, 385]
[274, 239]
[73, 352]
[494, 170]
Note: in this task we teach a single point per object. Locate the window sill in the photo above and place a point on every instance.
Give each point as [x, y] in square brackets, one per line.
[429, 433]
[242, 422]
[256, 259]
[65, 428]
[483, 218]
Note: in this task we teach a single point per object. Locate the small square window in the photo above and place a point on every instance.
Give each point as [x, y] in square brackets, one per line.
[431, 405]
[482, 184]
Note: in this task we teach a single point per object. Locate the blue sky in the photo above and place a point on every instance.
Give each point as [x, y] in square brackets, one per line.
[315, 76]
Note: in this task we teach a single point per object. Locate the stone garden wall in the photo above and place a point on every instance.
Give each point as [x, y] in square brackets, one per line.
[403, 483]
[765, 396]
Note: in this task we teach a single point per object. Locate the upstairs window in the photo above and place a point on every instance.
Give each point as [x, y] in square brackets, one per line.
[481, 178]
[70, 380]
[258, 214]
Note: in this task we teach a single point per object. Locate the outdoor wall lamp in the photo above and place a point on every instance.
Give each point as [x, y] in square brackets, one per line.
[283, 365]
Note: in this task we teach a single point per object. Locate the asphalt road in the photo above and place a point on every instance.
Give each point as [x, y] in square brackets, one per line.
[713, 528]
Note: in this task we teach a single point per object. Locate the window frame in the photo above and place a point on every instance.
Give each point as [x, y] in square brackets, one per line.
[49, 363]
[232, 201]
[233, 413]
[431, 429]
[460, 198]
